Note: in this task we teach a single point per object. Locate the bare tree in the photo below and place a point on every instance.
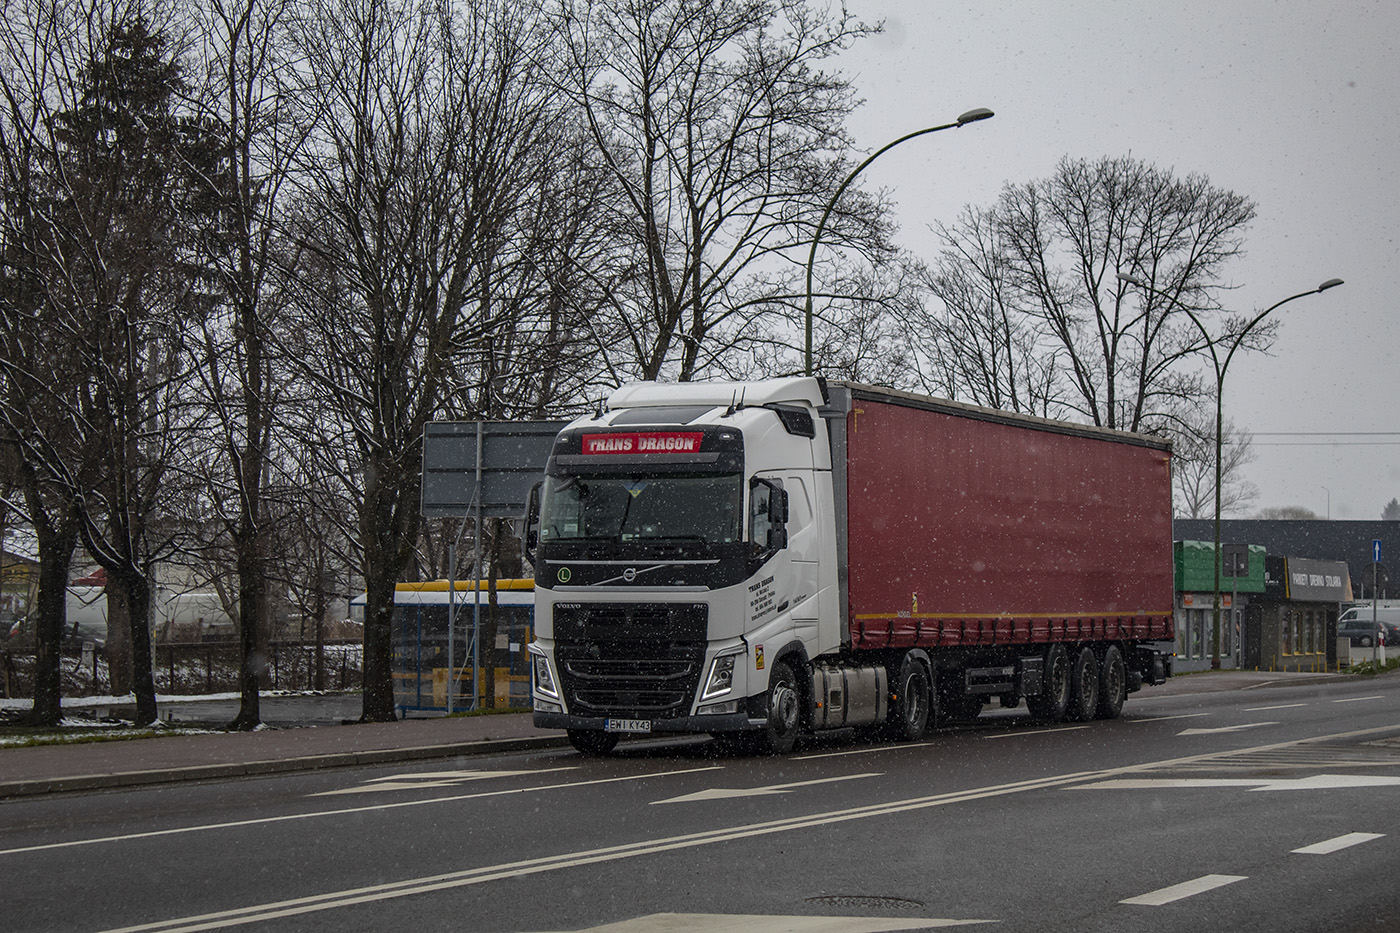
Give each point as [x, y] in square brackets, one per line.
[1047, 256]
[244, 106]
[723, 133]
[1288, 513]
[95, 197]
[974, 342]
[414, 174]
[1193, 469]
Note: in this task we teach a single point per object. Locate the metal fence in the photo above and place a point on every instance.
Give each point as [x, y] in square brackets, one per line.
[198, 668]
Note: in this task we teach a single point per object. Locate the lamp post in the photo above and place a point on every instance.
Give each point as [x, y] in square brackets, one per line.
[1212, 344]
[971, 116]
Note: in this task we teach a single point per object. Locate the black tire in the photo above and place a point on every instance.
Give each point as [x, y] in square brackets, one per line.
[1365, 641]
[1084, 686]
[1053, 700]
[912, 703]
[784, 710]
[592, 741]
[1113, 683]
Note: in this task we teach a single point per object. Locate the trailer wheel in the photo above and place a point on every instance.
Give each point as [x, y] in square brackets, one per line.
[1084, 686]
[1113, 683]
[784, 710]
[592, 741]
[1052, 701]
[913, 697]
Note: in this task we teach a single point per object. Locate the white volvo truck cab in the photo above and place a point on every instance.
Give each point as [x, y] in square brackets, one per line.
[685, 564]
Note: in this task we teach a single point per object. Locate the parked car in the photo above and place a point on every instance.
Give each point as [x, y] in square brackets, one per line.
[1362, 632]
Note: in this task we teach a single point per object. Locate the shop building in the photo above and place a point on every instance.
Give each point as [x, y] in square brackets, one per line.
[1241, 579]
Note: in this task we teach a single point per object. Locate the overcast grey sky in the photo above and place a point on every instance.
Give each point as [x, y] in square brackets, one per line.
[1292, 104]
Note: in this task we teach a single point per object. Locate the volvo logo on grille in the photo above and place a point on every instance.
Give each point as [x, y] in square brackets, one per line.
[630, 574]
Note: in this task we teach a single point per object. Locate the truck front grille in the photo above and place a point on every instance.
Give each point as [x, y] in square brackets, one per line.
[630, 660]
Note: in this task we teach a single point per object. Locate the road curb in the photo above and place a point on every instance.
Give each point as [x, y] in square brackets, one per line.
[125, 779]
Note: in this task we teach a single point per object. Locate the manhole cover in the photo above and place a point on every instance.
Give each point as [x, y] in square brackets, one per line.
[866, 902]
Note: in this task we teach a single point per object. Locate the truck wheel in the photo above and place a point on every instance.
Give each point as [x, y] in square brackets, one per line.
[909, 713]
[1084, 686]
[1113, 683]
[1052, 701]
[592, 741]
[784, 710]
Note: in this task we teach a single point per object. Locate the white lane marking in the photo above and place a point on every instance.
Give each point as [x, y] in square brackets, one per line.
[725, 793]
[1165, 718]
[347, 810]
[860, 751]
[1219, 729]
[1359, 699]
[1166, 783]
[413, 781]
[1337, 843]
[728, 923]
[526, 867]
[1316, 782]
[1186, 889]
[1260, 709]
[1019, 733]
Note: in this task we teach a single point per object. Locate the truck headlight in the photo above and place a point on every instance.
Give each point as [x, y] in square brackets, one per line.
[721, 679]
[544, 677]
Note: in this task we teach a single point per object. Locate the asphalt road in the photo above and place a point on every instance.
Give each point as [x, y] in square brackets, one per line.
[1274, 809]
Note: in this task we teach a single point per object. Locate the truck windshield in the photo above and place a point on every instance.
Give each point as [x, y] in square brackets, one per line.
[705, 508]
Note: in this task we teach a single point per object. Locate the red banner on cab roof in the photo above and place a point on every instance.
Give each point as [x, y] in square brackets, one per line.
[650, 442]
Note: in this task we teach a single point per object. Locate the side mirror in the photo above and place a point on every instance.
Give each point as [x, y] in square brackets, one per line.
[530, 530]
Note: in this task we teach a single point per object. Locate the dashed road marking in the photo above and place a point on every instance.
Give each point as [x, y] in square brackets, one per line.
[1184, 890]
[1220, 729]
[726, 793]
[1359, 699]
[1022, 732]
[1316, 782]
[1260, 709]
[728, 923]
[860, 751]
[1166, 718]
[1336, 844]
[414, 780]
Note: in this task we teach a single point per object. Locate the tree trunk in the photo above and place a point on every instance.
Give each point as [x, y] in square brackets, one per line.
[251, 599]
[138, 603]
[118, 643]
[56, 544]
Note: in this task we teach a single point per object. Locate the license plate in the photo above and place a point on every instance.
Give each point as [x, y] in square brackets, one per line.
[628, 725]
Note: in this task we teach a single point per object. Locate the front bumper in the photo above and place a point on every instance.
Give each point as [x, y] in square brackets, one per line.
[752, 715]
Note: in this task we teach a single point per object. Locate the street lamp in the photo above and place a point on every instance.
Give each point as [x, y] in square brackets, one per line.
[971, 116]
[1220, 367]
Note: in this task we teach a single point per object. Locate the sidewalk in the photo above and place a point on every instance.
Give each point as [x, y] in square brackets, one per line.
[48, 769]
[52, 769]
